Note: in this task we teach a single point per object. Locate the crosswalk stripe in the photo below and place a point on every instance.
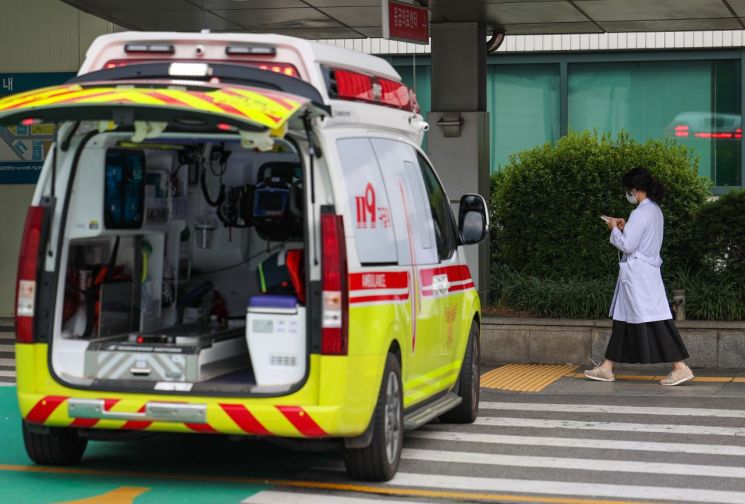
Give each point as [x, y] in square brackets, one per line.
[8, 362]
[618, 466]
[611, 426]
[600, 444]
[543, 487]
[274, 497]
[7, 372]
[616, 410]
[7, 348]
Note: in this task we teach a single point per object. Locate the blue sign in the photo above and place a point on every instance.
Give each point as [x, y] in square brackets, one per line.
[23, 148]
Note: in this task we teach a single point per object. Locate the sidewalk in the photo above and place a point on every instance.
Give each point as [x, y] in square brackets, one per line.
[568, 379]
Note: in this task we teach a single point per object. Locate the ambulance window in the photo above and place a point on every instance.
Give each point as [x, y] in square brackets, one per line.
[368, 202]
[410, 209]
[441, 211]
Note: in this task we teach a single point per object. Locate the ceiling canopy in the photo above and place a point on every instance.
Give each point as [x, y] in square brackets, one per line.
[328, 19]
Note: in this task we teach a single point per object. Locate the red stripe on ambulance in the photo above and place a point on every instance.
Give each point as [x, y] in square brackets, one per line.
[204, 428]
[244, 419]
[455, 273]
[382, 297]
[44, 408]
[302, 421]
[378, 280]
[137, 424]
[90, 422]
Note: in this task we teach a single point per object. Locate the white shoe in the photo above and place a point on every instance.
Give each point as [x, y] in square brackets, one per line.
[600, 374]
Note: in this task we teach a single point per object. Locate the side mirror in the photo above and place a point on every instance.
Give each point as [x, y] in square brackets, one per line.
[473, 219]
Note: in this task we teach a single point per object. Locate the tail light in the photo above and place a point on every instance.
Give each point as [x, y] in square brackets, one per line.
[28, 267]
[349, 85]
[335, 318]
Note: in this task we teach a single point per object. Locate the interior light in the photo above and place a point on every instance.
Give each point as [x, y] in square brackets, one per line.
[30, 121]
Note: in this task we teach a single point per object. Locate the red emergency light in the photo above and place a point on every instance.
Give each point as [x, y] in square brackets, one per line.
[282, 68]
[356, 86]
[681, 130]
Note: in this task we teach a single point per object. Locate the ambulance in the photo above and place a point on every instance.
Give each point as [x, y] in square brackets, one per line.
[240, 234]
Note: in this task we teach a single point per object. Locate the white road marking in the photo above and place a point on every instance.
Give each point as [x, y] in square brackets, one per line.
[275, 497]
[600, 444]
[8, 362]
[533, 487]
[704, 430]
[5, 372]
[617, 466]
[618, 410]
[7, 348]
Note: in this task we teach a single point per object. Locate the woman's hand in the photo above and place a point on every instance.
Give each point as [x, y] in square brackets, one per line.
[620, 223]
[611, 223]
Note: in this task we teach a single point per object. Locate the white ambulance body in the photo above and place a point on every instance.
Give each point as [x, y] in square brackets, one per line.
[240, 234]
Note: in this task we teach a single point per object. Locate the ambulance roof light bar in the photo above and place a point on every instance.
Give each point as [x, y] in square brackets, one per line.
[234, 50]
[356, 86]
[150, 48]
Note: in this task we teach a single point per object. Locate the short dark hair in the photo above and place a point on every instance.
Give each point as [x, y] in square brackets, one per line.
[641, 179]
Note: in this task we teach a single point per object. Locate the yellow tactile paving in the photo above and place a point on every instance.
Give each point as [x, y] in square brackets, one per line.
[525, 377]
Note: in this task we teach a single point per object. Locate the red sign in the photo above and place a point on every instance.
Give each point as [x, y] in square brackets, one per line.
[405, 22]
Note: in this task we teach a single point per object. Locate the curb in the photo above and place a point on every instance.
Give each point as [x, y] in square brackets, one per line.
[717, 345]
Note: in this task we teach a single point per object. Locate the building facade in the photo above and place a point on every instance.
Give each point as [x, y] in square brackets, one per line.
[685, 86]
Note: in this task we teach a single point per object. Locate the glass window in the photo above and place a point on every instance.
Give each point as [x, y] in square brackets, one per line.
[441, 212]
[523, 102]
[695, 102]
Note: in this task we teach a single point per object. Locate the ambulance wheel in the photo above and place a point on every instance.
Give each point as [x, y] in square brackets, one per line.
[379, 461]
[58, 446]
[469, 383]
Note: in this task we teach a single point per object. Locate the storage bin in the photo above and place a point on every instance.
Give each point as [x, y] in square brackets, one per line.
[275, 333]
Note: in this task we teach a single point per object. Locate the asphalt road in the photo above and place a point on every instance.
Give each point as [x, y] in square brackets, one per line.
[652, 445]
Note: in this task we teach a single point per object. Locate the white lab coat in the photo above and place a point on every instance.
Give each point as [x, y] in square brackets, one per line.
[640, 294]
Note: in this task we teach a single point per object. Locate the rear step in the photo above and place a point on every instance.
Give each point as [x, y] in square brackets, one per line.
[421, 416]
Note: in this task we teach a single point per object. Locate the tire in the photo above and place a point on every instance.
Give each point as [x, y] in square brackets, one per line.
[469, 383]
[59, 446]
[379, 460]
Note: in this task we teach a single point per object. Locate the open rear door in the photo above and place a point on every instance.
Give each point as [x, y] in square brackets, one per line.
[150, 108]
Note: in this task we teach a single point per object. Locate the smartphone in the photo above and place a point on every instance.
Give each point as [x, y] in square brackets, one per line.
[606, 218]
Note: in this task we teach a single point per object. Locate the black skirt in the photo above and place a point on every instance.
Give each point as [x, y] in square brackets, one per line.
[647, 343]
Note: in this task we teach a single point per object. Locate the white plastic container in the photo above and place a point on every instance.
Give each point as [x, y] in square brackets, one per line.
[275, 332]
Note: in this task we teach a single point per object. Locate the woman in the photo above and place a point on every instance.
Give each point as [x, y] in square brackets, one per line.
[643, 329]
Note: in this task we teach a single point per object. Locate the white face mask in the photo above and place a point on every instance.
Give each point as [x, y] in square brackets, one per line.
[631, 197]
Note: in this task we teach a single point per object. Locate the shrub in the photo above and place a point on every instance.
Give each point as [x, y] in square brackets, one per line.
[710, 295]
[544, 297]
[719, 235]
[547, 201]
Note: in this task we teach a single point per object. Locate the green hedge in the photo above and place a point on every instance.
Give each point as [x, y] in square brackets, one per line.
[719, 235]
[709, 295]
[551, 254]
[547, 201]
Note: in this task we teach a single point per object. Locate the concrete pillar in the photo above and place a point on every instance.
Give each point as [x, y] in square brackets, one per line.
[459, 144]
